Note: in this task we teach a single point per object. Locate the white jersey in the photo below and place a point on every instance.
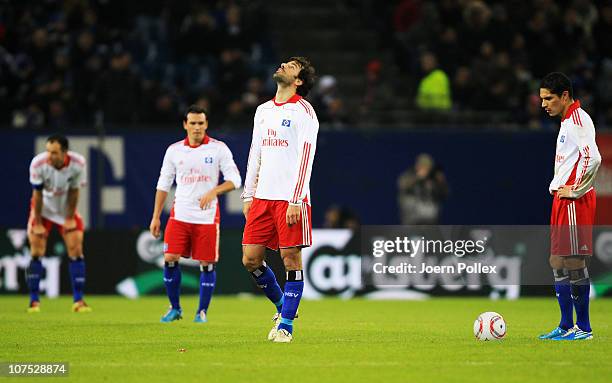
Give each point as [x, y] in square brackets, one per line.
[55, 183]
[577, 157]
[282, 152]
[196, 171]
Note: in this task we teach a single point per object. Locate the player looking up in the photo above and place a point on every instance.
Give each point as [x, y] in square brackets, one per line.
[277, 190]
[193, 227]
[56, 176]
[573, 210]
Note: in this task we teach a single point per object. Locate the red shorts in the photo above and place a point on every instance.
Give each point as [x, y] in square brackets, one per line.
[571, 225]
[49, 225]
[266, 225]
[192, 240]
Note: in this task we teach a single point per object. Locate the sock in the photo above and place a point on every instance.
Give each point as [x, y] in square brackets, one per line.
[581, 287]
[564, 297]
[77, 277]
[208, 278]
[33, 276]
[172, 280]
[293, 293]
[265, 279]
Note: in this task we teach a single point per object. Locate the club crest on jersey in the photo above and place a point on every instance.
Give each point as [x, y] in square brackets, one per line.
[562, 139]
[208, 160]
[286, 123]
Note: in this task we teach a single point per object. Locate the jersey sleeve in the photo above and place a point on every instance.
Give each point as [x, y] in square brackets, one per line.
[254, 162]
[589, 161]
[36, 177]
[307, 143]
[80, 178]
[228, 167]
[167, 173]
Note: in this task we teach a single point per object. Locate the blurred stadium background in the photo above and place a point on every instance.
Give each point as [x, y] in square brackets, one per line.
[450, 85]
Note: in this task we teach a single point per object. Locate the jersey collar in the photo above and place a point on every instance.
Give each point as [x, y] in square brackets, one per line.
[205, 141]
[575, 105]
[295, 98]
[66, 160]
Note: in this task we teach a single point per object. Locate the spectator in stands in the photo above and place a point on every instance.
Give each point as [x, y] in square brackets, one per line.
[421, 191]
[434, 88]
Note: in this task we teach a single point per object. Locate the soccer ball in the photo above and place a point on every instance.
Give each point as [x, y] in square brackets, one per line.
[489, 326]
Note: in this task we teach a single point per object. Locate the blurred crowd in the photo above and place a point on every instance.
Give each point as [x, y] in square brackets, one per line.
[74, 62]
[465, 55]
[70, 63]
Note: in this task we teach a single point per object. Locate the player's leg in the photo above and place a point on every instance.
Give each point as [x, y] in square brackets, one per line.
[259, 233]
[560, 247]
[580, 290]
[253, 260]
[177, 242]
[74, 247]
[205, 248]
[291, 240]
[35, 270]
[294, 286]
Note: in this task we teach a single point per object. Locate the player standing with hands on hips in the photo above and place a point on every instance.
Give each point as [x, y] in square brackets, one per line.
[193, 227]
[573, 211]
[56, 176]
[277, 190]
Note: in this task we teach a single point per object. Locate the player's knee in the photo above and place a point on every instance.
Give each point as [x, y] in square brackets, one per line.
[75, 251]
[292, 258]
[251, 263]
[556, 262]
[172, 257]
[574, 263]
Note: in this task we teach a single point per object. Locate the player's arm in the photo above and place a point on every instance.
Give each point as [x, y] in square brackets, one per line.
[78, 181]
[253, 164]
[164, 183]
[587, 165]
[71, 206]
[36, 180]
[307, 142]
[231, 176]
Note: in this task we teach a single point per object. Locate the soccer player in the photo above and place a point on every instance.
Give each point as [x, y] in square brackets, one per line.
[277, 193]
[573, 211]
[56, 176]
[193, 227]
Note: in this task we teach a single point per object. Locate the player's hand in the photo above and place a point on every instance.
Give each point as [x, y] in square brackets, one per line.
[155, 227]
[38, 229]
[565, 191]
[69, 225]
[293, 214]
[246, 207]
[207, 199]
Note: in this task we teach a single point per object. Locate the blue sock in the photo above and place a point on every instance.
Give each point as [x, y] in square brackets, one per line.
[208, 278]
[293, 293]
[581, 287]
[265, 279]
[77, 277]
[564, 297]
[33, 276]
[172, 280]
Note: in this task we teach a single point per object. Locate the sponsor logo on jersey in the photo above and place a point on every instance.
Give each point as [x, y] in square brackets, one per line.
[286, 123]
[562, 139]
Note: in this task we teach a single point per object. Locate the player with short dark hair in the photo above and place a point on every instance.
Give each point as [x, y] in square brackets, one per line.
[277, 190]
[193, 227]
[573, 211]
[56, 176]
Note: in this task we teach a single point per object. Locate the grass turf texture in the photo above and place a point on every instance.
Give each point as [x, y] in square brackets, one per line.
[335, 341]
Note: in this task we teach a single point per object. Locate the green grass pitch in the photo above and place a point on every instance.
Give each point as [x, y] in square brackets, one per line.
[335, 341]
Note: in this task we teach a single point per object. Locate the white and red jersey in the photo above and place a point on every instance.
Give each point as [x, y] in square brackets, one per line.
[196, 171]
[55, 183]
[577, 157]
[282, 151]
